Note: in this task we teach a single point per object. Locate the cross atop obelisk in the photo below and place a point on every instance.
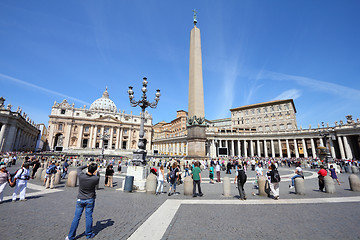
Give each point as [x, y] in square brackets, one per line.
[196, 115]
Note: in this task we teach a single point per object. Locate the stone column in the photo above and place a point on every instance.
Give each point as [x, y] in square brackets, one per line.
[95, 137]
[239, 148]
[9, 139]
[245, 148]
[288, 148]
[272, 148]
[296, 149]
[18, 140]
[280, 148]
[187, 148]
[50, 137]
[111, 137]
[232, 148]
[117, 138]
[2, 136]
[332, 148]
[265, 149]
[304, 148]
[322, 142]
[258, 148]
[91, 136]
[313, 148]
[101, 140]
[348, 151]
[67, 135]
[251, 148]
[213, 149]
[341, 146]
[121, 138]
[80, 136]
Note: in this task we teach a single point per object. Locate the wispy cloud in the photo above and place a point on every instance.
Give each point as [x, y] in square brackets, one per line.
[315, 85]
[42, 89]
[227, 97]
[288, 94]
[254, 87]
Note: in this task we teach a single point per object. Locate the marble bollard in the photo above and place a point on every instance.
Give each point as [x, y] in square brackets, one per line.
[43, 174]
[227, 187]
[72, 179]
[329, 185]
[151, 184]
[188, 186]
[354, 182]
[300, 186]
[262, 186]
[354, 169]
[57, 178]
[201, 167]
[38, 173]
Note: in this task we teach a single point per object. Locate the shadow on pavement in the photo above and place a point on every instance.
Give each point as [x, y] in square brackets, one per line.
[100, 225]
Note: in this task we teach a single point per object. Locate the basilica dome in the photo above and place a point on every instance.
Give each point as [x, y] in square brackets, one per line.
[104, 103]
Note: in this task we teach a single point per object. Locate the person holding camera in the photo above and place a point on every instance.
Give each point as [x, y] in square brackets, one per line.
[85, 200]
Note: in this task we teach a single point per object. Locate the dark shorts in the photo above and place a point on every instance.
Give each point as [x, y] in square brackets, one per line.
[211, 175]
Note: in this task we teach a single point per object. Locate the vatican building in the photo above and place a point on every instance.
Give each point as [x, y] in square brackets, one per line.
[102, 127]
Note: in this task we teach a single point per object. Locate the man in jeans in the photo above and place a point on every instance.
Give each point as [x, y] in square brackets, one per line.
[196, 174]
[86, 200]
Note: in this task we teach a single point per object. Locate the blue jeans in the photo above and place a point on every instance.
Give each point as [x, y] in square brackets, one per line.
[88, 204]
[293, 179]
[64, 174]
[187, 172]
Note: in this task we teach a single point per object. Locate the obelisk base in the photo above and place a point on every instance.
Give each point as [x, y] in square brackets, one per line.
[196, 142]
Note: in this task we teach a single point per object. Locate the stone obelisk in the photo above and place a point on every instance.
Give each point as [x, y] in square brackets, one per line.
[196, 115]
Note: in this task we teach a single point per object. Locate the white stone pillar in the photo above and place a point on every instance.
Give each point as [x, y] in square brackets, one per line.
[313, 148]
[213, 149]
[288, 148]
[91, 136]
[67, 135]
[239, 148]
[304, 148]
[50, 137]
[2, 136]
[232, 148]
[80, 135]
[251, 148]
[296, 149]
[341, 146]
[93, 145]
[258, 151]
[265, 149]
[272, 148]
[348, 151]
[18, 139]
[332, 148]
[130, 139]
[121, 138]
[187, 148]
[322, 142]
[111, 138]
[245, 148]
[280, 148]
[101, 139]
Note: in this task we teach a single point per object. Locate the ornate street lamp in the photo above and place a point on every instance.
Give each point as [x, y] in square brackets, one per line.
[139, 155]
[103, 137]
[324, 133]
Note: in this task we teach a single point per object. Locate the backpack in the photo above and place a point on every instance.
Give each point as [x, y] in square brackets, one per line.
[242, 176]
[13, 175]
[51, 169]
[276, 176]
[173, 173]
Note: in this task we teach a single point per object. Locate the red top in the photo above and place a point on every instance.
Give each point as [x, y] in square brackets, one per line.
[322, 172]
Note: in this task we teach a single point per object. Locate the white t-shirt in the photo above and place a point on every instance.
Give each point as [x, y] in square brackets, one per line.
[217, 168]
[298, 170]
[21, 174]
[160, 176]
[259, 171]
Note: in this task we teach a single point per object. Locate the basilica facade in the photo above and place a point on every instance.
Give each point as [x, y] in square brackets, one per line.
[90, 130]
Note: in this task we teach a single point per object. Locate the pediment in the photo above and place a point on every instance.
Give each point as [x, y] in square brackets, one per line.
[108, 118]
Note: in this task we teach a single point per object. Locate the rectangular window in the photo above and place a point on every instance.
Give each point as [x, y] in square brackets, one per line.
[124, 144]
[60, 128]
[86, 128]
[85, 143]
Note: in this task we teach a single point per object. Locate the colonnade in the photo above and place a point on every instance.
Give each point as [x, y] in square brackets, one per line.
[171, 148]
[17, 138]
[339, 147]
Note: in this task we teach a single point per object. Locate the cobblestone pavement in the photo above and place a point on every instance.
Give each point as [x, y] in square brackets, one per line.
[117, 215]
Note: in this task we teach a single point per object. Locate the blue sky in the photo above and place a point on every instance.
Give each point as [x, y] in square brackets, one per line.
[253, 51]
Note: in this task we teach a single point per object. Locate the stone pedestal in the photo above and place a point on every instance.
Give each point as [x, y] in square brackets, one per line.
[57, 178]
[354, 169]
[43, 173]
[188, 186]
[329, 184]
[300, 186]
[196, 141]
[227, 187]
[140, 174]
[354, 182]
[38, 173]
[151, 184]
[72, 179]
[262, 186]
